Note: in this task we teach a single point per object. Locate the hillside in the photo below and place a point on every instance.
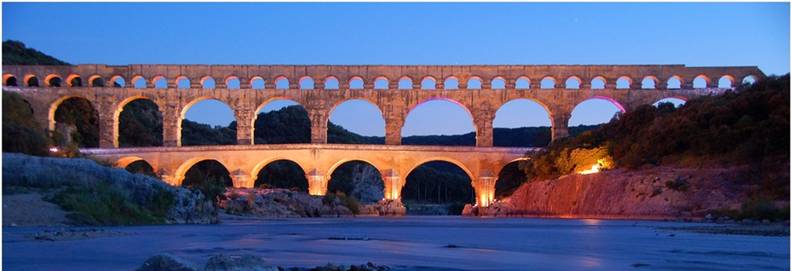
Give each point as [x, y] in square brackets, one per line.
[722, 155]
[16, 53]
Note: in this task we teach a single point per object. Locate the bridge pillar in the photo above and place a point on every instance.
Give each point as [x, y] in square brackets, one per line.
[393, 131]
[106, 111]
[560, 123]
[317, 183]
[244, 126]
[318, 126]
[484, 132]
[171, 136]
[241, 179]
[484, 190]
[393, 184]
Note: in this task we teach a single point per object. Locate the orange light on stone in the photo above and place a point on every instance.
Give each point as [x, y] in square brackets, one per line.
[595, 168]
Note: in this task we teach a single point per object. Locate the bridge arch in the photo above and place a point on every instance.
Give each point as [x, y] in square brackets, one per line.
[31, 80]
[411, 109]
[138, 82]
[521, 113]
[451, 82]
[591, 103]
[96, 80]
[381, 82]
[356, 82]
[10, 80]
[598, 82]
[277, 181]
[726, 81]
[125, 161]
[181, 171]
[335, 182]
[121, 105]
[284, 98]
[118, 81]
[523, 82]
[573, 82]
[53, 80]
[470, 174]
[701, 81]
[186, 108]
[363, 107]
[53, 107]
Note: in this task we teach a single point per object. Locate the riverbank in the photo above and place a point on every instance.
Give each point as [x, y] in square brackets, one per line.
[655, 193]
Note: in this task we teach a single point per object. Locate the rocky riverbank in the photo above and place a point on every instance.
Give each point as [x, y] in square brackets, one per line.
[652, 193]
[286, 203]
[57, 191]
[247, 262]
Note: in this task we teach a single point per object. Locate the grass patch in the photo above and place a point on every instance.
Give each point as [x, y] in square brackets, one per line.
[104, 205]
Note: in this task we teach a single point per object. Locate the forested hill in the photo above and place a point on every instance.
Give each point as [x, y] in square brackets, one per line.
[16, 53]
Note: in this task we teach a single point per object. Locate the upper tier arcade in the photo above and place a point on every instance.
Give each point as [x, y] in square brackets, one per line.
[396, 90]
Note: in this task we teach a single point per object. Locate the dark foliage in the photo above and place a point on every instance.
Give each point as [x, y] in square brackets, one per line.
[210, 177]
[288, 125]
[438, 182]
[141, 167]
[21, 132]
[511, 177]
[282, 174]
[80, 113]
[140, 125]
[746, 126]
[16, 53]
[195, 133]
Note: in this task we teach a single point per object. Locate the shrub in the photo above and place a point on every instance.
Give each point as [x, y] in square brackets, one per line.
[106, 205]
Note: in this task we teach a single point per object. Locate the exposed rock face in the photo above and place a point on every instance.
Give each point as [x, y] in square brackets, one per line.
[367, 181]
[659, 192]
[280, 203]
[33, 172]
[245, 262]
[384, 207]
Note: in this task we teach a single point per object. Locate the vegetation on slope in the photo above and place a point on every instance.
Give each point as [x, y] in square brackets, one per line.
[747, 126]
[16, 53]
[21, 132]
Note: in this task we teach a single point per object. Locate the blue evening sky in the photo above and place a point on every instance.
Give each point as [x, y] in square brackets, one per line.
[697, 34]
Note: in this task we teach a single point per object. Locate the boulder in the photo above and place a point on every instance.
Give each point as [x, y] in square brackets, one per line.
[165, 263]
[238, 263]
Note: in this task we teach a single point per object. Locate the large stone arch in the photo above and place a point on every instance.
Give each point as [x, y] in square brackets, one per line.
[192, 102]
[254, 117]
[366, 99]
[410, 108]
[470, 173]
[120, 108]
[53, 107]
[263, 163]
[181, 171]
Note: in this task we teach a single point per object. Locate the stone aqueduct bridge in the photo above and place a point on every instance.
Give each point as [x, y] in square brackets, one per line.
[480, 89]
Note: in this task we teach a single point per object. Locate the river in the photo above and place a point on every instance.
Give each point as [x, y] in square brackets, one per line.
[448, 243]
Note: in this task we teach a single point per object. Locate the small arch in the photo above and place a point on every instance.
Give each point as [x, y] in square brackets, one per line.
[522, 83]
[96, 81]
[280, 173]
[381, 82]
[649, 82]
[674, 82]
[139, 82]
[183, 82]
[306, 82]
[31, 80]
[74, 80]
[9, 80]
[207, 82]
[598, 82]
[405, 83]
[451, 83]
[53, 80]
[474, 82]
[749, 80]
[428, 83]
[159, 82]
[233, 82]
[281, 82]
[118, 81]
[257, 82]
[498, 83]
[573, 82]
[623, 82]
[548, 83]
[701, 81]
[356, 83]
[331, 82]
[726, 81]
